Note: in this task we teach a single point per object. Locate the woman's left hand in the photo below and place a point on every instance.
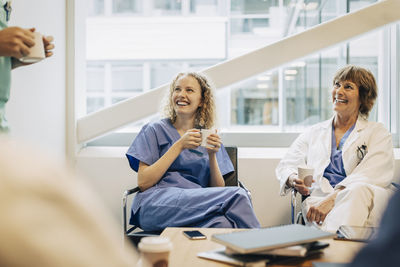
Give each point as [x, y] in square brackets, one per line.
[318, 212]
[213, 143]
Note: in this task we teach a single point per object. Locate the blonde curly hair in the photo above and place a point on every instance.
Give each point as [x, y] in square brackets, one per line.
[205, 114]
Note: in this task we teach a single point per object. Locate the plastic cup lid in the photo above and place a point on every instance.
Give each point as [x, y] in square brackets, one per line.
[155, 244]
[303, 166]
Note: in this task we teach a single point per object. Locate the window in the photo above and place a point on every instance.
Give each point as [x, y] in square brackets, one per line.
[164, 39]
[163, 72]
[126, 6]
[95, 78]
[96, 8]
[167, 7]
[204, 7]
[126, 78]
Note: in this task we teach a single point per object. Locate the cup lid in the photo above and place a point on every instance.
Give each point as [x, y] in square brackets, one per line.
[155, 244]
[304, 166]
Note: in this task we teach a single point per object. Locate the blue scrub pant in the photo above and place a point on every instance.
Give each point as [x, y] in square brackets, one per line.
[219, 207]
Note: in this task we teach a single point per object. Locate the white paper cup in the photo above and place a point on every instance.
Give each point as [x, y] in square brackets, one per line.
[36, 52]
[154, 251]
[204, 134]
[305, 173]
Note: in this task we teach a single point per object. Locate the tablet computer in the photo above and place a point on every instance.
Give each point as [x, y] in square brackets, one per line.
[256, 240]
[356, 233]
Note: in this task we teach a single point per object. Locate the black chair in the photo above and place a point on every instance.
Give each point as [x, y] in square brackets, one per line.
[297, 216]
[134, 233]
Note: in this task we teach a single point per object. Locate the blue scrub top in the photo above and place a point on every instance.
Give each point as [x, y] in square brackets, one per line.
[155, 139]
[5, 73]
[335, 171]
[189, 170]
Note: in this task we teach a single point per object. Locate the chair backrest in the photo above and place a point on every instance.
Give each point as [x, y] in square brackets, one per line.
[231, 179]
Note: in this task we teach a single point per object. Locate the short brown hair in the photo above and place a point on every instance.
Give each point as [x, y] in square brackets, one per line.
[366, 83]
[205, 115]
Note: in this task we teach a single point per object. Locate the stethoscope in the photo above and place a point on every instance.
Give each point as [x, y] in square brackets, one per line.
[361, 152]
[7, 8]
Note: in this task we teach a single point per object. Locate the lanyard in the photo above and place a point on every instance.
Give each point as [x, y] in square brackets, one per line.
[7, 8]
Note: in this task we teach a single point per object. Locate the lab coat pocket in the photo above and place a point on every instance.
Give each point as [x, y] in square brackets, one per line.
[352, 163]
[357, 155]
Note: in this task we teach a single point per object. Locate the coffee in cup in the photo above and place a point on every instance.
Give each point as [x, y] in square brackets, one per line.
[305, 173]
[36, 52]
[204, 135]
[154, 251]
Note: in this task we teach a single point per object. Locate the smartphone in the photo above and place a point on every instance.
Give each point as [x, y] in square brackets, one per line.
[194, 235]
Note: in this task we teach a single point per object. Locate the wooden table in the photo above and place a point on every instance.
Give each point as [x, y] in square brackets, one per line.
[185, 251]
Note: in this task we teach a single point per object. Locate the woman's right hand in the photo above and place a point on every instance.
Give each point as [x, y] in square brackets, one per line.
[191, 139]
[298, 184]
[149, 175]
[16, 42]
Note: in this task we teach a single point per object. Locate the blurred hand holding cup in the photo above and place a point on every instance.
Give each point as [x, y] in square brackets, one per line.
[36, 52]
[154, 251]
[305, 173]
[204, 134]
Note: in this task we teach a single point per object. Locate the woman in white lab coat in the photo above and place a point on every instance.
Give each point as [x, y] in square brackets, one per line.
[351, 156]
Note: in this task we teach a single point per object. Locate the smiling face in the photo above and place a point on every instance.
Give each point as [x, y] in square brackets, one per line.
[186, 96]
[346, 98]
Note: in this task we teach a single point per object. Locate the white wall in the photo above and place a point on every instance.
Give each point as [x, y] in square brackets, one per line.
[36, 109]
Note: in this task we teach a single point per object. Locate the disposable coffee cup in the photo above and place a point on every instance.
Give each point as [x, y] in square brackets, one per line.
[305, 173]
[36, 52]
[154, 251]
[204, 135]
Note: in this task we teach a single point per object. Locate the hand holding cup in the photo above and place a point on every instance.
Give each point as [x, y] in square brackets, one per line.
[191, 139]
[210, 140]
[36, 52]
[305, 173]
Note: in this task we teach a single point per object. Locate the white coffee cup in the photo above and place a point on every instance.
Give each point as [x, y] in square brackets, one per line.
[36, 52]
[154, 251]
[204, 135]
[305, 173]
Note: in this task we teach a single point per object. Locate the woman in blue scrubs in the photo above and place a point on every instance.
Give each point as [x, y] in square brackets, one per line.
[182, 182]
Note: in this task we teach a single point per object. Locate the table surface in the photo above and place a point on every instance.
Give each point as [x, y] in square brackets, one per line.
[185, 251]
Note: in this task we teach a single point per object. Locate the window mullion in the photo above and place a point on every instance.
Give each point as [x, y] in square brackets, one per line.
[281, 100]
[383, 100]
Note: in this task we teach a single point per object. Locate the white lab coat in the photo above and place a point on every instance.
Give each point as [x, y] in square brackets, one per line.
[375, 170]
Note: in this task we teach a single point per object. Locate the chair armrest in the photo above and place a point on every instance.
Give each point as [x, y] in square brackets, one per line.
[131, 191]
[396, 185]
[245, 189]
[124, 200]
[293, 205]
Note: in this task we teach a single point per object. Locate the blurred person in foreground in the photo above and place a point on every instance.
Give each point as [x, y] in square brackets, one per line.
[352, 158]
[49, 217]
